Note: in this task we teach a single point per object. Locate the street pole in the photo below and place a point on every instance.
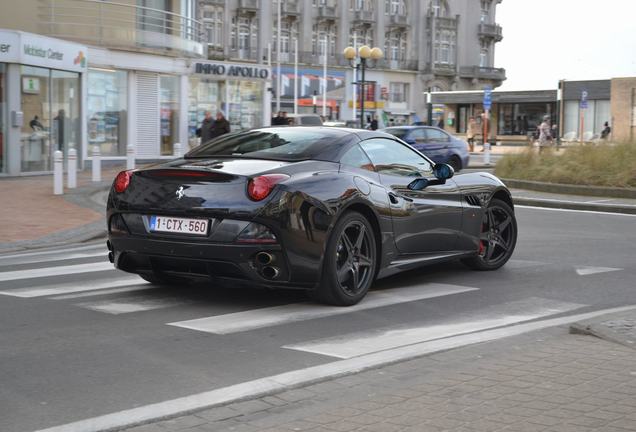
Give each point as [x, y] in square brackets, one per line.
[278, 77]
[296, 76]
[354, 73]
[363, 63]
[324, 79]
[486, 138]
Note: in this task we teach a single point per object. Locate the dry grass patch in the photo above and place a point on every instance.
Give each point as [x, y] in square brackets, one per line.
[595, 165]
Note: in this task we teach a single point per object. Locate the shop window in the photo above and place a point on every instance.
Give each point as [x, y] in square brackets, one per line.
[169, 113]
[244, 108]
[3, 132]
[205, 95]
[107, 111]
[398, 92]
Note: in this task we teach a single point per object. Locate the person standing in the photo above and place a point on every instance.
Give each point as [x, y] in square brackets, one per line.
[471, 132]
[374, 123]
[205, 131]
[606, 131]
[221, 125]
[545, 133]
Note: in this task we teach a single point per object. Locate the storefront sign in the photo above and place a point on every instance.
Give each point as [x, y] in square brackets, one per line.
[228, 70]
[35, 50]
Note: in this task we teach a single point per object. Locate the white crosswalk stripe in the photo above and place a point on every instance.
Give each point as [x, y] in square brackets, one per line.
[376, 340]
[56, 271]
[278, 315]
[52, 290]
[137, 304]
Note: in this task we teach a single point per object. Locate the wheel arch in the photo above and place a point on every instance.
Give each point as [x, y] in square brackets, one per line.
[503, 195]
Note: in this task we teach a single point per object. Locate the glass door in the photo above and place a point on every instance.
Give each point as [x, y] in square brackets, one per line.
[35, 146]
[65, 112]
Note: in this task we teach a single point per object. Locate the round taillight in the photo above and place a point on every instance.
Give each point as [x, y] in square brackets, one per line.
[260, 187]
[122, 181]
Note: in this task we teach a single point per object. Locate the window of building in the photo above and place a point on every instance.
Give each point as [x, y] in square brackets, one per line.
[244, 108]
[485, 11]
[3, 132]
[205, 95]
[395, 7]
[244, 35]
[398, 92]
[288, 33]
[396, 45]
[323, 35]
[213, 22]
[363, 36]
[483, 55]
[439, 8]
[107, 111]
[444, 47]
[169, 113]
[361, 5]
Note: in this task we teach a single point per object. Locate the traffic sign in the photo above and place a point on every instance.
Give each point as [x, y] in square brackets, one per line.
[487, 97]
[583, 103]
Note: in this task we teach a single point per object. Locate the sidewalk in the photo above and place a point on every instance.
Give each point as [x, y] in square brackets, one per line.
[547, 380]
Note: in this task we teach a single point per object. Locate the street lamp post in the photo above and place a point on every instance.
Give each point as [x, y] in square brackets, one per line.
[360, 63]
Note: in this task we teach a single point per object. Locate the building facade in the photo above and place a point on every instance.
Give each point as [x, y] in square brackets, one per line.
[429, 45]
[109, 75]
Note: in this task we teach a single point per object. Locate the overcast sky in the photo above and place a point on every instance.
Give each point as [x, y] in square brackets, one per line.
[548, 40]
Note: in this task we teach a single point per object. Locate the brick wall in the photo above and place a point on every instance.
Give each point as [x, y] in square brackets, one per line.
[623, 108]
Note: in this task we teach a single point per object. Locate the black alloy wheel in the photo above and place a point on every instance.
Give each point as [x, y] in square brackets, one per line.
[349, 263]
[497, 238]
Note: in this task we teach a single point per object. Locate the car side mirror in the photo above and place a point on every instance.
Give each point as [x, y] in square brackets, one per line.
[442, 172]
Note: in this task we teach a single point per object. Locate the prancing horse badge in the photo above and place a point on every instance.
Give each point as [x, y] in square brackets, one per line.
[180, 193]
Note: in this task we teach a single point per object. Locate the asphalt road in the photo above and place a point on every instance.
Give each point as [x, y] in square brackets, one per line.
[80, 340]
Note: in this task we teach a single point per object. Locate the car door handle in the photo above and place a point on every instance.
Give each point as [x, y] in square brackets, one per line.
[395, 198]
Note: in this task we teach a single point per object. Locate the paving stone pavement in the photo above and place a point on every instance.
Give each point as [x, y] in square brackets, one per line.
[548, 380]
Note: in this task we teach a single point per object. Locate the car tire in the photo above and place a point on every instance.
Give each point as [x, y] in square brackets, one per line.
[350, 262]
[455, 162]
[497, 239]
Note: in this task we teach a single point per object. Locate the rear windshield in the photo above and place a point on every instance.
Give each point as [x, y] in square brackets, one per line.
[396, 132]
[284, 143]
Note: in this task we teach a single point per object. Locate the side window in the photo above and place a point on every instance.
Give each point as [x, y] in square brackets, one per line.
[355, 157]
[394, 158]
[418, 135]
[437, 135]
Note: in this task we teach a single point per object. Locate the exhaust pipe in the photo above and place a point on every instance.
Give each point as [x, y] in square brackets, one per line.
[111, 257]
[270, 272]
[264, 258]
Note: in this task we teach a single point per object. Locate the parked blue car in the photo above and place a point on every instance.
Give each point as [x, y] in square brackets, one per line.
[435, 143]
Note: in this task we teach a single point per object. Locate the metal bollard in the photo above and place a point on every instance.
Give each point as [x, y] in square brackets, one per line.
[130, 157]
[97, 164]
[486, 153]
[72, 169]
[58, 173]
[177, 150]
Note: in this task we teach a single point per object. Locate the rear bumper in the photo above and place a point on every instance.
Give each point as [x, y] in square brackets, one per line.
[202, 260]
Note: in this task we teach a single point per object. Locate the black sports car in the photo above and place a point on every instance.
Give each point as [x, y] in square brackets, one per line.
[323, 209]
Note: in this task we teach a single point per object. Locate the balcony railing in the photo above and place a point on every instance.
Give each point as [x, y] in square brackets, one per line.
[442, 22]
[122, 26]
[248, 5]
[290, 8]
[363, 17]
[248, 54]
[498, 74]
[398, 21]
[326, 13]
[490, 31]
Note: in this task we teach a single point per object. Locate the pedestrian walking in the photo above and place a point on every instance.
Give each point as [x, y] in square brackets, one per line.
[205, 131]
[374, 123]
[545, 133]
[606, 131]
[278, 120]
[471, 132]
[221, 125]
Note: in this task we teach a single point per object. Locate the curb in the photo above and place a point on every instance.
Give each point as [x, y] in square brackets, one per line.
[575, 205]
[567, 189]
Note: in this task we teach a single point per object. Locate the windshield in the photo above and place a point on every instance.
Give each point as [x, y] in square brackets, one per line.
[285, 143]
[396, 132]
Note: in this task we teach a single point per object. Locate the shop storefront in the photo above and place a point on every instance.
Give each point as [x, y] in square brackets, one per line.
[236, 90]
[40, 100]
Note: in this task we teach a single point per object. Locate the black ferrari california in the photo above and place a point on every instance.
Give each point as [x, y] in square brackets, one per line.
[324, 209]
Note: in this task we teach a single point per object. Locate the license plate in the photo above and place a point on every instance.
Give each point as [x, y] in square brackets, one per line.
[179, 225]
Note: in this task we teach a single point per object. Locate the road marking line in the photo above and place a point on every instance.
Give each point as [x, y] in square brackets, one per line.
[278, 315]
[584, 271]
[520, 264]
[118, 307]
[56, 271]
[367, 342]
[302, 377]
[575, 211]
[35, 260]
[96, 246]
[50, 290]
[132, 288]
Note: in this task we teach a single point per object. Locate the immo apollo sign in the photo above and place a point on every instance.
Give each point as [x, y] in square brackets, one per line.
[227, 70]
